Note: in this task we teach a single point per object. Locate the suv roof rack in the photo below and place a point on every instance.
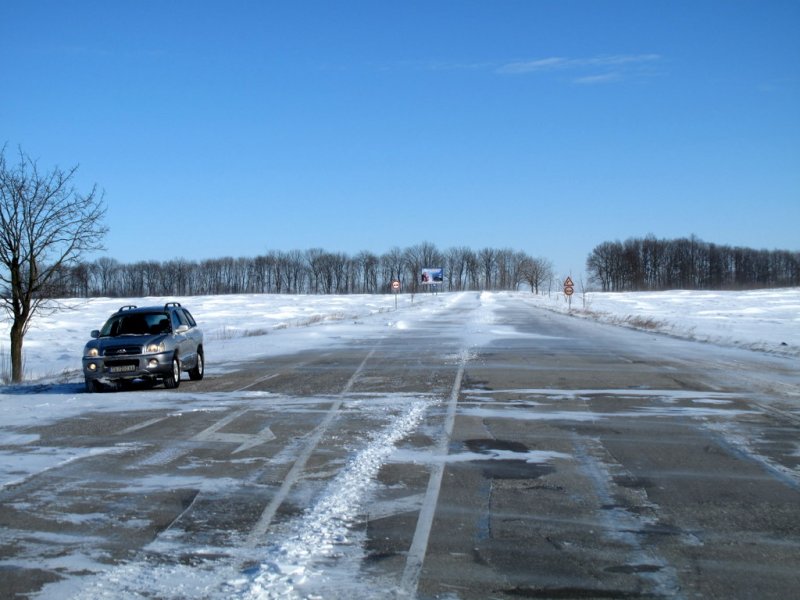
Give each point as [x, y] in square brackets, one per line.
[168, 304]
[127, 307]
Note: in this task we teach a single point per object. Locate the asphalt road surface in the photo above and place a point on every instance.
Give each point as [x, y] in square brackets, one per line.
[490, 451]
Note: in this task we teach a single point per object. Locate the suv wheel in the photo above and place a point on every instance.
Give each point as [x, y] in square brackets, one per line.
[174, 379]
[196, 374]
[93, 386]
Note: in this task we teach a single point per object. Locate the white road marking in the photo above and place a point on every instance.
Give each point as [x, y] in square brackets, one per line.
[245, 440]
[256, 535]
[142, 425]
[167, 455]
[259, 380]
[419, 545]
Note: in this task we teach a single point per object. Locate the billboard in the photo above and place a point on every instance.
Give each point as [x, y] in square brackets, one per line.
[432, 276]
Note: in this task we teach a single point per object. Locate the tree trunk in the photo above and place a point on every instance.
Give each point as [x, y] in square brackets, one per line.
[16, 352]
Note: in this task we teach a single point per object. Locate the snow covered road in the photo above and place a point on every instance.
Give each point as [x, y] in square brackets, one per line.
[468, 446]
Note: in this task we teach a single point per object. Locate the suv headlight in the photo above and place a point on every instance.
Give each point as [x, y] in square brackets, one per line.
[92, 353]
[153, 348]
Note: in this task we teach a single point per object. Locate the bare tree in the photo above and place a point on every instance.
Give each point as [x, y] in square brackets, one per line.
[46, 226]
[106, 271]
[413, 263]
[536, 271]
[688, 263]
[487, 258]
[368, 267]
[392, 267]
[455, 268]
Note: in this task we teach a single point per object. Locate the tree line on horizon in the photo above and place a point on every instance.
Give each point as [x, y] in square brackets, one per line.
[313, 271]
[650, 264]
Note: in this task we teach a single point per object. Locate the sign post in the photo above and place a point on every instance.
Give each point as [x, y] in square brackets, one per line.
[396, 290]
[569, 289]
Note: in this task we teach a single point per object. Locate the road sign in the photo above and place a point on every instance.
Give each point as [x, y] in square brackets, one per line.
[569, 289]
[395, 285]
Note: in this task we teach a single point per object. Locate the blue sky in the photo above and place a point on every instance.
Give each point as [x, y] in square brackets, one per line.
[233, 128]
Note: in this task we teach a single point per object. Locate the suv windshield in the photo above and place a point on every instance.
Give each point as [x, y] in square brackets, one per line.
[136, 324]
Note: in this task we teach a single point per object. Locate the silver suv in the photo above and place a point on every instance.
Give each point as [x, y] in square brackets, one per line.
[152, 343]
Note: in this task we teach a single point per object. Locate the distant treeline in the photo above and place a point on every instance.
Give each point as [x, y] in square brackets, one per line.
[688, 263]
[313, 271]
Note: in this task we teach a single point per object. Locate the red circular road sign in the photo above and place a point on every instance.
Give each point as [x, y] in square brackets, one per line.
[568, 290]
[395, 284]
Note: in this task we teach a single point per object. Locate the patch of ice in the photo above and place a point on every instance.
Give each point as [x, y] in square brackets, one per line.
[425, 457]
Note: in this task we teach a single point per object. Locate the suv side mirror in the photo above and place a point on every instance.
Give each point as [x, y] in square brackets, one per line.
[95, 334]
[182, 329]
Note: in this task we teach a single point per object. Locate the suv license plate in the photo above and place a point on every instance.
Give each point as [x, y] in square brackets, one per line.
[122, 369]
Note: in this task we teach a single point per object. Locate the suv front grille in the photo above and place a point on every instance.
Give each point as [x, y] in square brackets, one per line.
[123, 351]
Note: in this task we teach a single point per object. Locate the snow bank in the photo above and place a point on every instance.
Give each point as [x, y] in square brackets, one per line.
[764, 320]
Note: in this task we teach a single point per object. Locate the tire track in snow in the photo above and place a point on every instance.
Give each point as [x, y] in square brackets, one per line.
[289, 564]
[260, 528]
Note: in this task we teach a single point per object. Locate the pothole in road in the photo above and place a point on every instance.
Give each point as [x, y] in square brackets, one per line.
[501, 462]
